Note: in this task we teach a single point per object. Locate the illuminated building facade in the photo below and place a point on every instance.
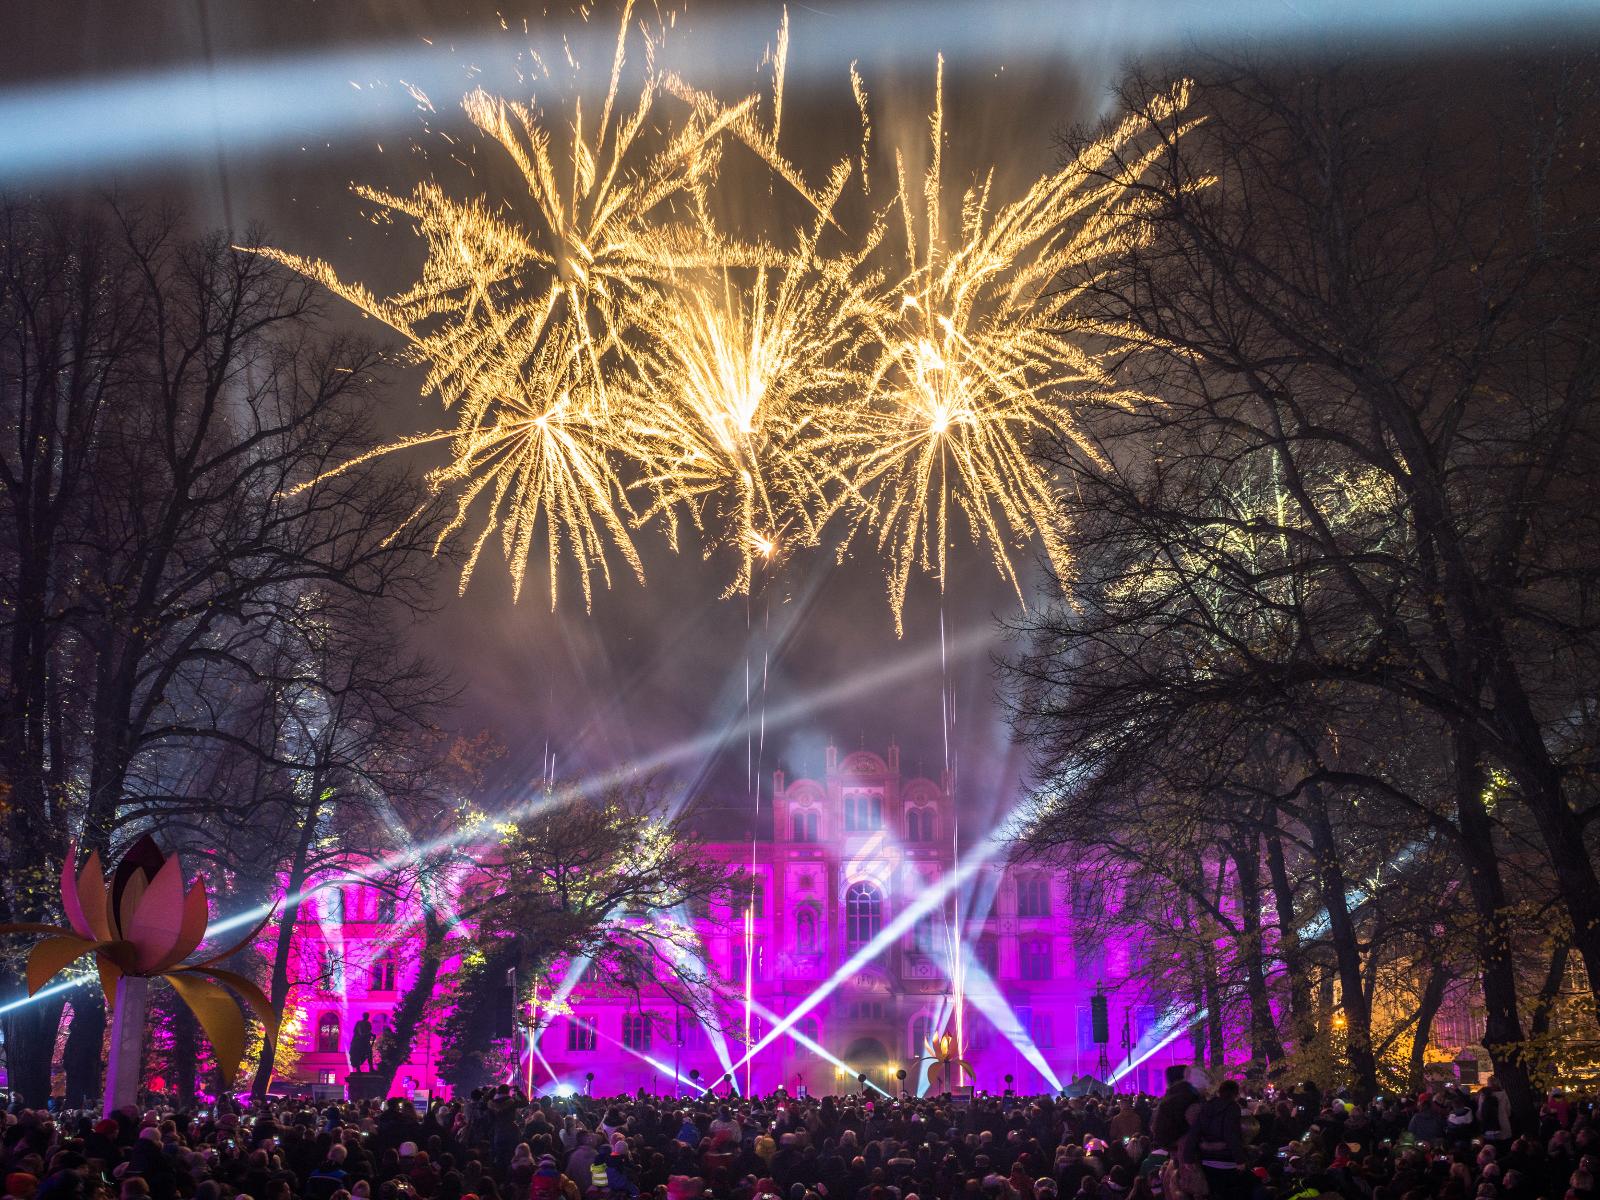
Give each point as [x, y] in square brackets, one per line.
[850, 850]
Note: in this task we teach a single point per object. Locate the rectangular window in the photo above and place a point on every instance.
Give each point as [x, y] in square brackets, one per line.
[805, 824]
[1085, 896]
[1033, 896]
[863, 812]
[1089, 959]
[1044, 1031]
[756, 963]
[1086, 1042]
[636, 1032]
[927, 935]
[580, 1035]
[1036, 959]
[381, 977]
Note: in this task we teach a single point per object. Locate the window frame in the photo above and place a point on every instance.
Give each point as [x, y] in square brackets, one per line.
[863, 912]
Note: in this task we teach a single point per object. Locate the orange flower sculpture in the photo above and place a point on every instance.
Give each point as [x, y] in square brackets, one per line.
[140, 925]
[945, 1057]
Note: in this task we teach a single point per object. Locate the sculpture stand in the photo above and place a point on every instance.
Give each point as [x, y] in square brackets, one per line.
[127, 1043]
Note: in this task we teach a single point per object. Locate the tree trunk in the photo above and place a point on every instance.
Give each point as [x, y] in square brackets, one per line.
[185, 1054]
[1502, 1034]
[1265, 1045]
[1567, 845]
[85, 1047]
[30, 1048]
[1216, 1046]
[1544, 1005]
[1333, 888]
[1302, 1012]
[1197, 1001]
[278, 988]
[1432, 998]
[413, 1006]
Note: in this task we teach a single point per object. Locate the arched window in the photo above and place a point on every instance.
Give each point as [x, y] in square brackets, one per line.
[1033, 896]
[328, 1033]
[863, 812]
[804, 824]
[805, 930]
[1036, 959]
[921, 1035]
[803, 1030]
[863, 914]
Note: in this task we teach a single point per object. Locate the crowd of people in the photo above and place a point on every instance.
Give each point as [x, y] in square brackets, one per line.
[497, 1144]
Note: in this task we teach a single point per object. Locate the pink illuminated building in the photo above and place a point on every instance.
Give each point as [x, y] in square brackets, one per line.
[851, 851]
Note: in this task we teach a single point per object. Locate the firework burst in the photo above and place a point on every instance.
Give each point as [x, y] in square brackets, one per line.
[597, 335]
[977, 359]
[738, 370]
[522, 311]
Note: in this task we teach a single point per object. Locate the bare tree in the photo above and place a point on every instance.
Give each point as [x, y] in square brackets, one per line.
[1363, 489]
[174, 556]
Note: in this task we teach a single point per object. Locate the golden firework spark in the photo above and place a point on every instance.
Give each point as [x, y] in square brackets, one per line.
[728, 392]
[602, 334]
[521, 323]
[975, 361]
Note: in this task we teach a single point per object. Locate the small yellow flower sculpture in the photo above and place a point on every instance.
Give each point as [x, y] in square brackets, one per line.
[945, 1057]
[140, 925]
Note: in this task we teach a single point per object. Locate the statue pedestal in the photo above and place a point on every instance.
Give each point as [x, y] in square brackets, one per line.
[363, 1085]
[127, 1043]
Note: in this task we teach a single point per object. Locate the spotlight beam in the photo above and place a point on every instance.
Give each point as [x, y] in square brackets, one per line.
[988, 1000]
[281, 103]
[1165, 1041]
[55, 989]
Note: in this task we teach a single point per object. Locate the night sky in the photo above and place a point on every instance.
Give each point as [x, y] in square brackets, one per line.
[652, 668]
